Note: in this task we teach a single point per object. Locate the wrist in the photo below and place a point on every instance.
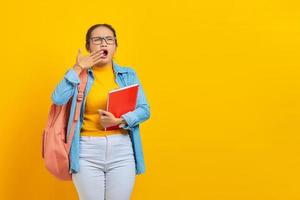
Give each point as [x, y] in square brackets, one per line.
[78, 68]
[121, 120]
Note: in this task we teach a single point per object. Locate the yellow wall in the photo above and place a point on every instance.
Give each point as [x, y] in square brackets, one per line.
[221, 77]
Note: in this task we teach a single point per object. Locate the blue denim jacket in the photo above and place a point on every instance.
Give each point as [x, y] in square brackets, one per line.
[125, 76]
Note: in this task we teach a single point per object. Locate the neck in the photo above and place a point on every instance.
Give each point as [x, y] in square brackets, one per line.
[103, 64]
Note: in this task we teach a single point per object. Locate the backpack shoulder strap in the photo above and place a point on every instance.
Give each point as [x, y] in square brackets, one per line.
[81, 89]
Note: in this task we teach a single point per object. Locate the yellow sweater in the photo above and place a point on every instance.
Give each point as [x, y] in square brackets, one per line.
[96, 99]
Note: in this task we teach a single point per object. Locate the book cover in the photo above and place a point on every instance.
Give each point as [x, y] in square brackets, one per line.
[121, 101]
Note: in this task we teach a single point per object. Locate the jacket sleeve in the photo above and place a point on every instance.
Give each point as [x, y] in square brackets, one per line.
[142, 110]
[65, 88]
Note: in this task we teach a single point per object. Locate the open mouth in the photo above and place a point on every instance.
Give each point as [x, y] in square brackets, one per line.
[105, 52]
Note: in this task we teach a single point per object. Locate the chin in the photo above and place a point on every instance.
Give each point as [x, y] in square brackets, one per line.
[103, 62]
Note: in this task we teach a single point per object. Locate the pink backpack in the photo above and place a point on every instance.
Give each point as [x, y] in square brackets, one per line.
[55, 146]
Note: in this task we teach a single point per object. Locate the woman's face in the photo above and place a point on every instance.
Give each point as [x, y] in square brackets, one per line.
[98, 43]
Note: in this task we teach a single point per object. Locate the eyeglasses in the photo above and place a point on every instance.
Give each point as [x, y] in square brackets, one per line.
[98, 40]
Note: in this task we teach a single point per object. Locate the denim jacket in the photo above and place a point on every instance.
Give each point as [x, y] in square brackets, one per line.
[125, 76]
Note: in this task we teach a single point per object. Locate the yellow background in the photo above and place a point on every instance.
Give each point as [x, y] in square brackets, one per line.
[221, 77]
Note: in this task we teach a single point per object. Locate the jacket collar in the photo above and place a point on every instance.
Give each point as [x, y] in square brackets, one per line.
[117, 68]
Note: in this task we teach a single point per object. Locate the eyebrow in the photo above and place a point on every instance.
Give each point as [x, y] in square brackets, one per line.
[103, 36]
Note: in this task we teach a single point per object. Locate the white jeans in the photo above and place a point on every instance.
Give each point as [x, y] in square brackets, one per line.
[107, 168]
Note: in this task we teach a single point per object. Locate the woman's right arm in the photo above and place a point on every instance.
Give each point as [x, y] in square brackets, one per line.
[66, 87]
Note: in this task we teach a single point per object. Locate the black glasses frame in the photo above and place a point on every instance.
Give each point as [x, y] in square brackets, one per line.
[103, 38]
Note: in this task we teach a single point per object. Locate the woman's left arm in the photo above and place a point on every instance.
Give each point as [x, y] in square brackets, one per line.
[142, 110]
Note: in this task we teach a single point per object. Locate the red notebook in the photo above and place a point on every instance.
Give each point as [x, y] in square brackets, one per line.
[121, 101]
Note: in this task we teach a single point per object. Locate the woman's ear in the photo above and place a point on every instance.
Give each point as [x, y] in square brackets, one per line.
[87, 48]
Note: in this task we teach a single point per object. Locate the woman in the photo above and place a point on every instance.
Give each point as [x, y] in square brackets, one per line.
[103, 163]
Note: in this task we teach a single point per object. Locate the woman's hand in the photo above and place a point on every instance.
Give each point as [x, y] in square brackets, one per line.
[88, 60]
[107, 119]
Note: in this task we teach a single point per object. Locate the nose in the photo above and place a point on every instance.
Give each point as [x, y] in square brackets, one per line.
[103, 44]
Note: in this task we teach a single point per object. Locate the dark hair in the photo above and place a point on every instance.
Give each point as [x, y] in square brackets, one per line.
[89, 34]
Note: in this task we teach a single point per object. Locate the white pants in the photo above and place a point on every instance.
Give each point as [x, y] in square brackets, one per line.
[107, 168]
